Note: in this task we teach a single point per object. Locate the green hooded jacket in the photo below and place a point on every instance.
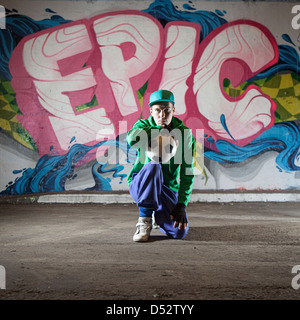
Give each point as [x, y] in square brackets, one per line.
[178, 174]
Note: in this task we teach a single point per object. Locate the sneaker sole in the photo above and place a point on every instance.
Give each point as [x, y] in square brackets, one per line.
[140, 240]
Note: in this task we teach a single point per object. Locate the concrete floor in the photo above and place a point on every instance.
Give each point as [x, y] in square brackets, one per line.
[233, 251]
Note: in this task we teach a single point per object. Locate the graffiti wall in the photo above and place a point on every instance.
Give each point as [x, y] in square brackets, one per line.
[76, 75]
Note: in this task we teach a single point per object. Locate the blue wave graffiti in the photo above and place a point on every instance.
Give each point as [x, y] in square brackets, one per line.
[102, 183]
[52, 172]
[165, 11]
[282, 137]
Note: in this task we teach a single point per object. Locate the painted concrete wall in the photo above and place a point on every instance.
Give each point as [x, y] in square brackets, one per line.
[76, 75]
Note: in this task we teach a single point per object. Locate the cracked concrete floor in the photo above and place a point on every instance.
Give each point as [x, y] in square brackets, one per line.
[85, 251]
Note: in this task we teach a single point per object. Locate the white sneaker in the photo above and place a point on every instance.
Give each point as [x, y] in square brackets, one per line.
[144, 227]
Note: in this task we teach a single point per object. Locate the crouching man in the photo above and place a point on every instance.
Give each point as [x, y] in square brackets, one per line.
[161, 190]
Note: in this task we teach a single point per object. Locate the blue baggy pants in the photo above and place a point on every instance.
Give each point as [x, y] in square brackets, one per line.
[148, 191]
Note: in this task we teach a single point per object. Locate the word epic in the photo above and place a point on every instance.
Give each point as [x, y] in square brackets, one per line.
[80, 79]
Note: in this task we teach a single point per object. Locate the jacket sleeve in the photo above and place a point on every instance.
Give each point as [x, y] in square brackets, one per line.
[187, 169]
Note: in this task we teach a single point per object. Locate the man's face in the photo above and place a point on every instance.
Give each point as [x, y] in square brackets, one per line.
[162, 113]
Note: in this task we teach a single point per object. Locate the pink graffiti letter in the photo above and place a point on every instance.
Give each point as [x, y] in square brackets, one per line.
[182, 39]
[235, 51]
[129, 43]
[53, 66]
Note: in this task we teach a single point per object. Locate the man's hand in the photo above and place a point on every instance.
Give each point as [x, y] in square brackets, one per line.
[178, 215]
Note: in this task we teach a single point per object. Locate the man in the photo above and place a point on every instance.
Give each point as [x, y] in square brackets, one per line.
[154, 186]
